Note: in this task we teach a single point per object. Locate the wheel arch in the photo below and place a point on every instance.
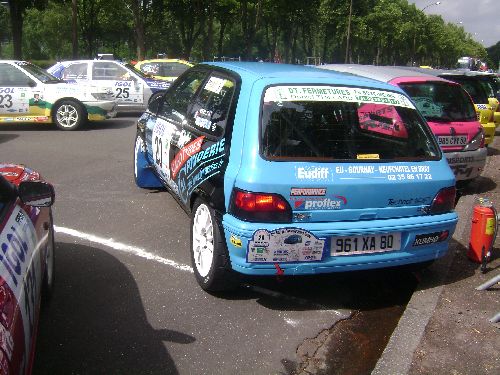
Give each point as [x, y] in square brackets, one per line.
[70, 98]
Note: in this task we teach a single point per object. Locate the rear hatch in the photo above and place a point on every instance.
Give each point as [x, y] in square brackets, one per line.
[344, 153]
[448, 110]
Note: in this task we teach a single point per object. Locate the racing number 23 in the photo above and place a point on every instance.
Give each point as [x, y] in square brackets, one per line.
[6, 101]
[122, 92]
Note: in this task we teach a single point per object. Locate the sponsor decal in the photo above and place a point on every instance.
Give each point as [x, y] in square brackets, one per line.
[154, 84]
[21, 268]
[215, 85]
[41, 119]
[430, 238]
[367, 156]
[202, 119]
[235, 241]
[482, 106]
[312, 173]
[199, 167]
[355, 169]
[184, 154]
[284, 245]
[317, 203]
[123, 84]
[408, 201]
[332, 93]
[307, 191]
[389, 172]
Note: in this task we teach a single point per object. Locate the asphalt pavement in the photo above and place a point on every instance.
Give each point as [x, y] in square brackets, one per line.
[446, 327]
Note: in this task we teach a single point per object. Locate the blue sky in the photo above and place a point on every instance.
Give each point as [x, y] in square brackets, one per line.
[480, 18]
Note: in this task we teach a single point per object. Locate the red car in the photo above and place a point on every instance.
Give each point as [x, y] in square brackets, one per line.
[26, 262]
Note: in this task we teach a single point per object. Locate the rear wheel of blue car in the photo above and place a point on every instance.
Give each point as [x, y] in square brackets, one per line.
[68, 115]
[209, 254]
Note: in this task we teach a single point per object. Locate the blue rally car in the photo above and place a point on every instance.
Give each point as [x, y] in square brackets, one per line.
[294, 170]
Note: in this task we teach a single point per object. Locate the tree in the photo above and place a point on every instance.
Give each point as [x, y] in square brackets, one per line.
[44, 31]
[17, 10]
[190, 16]
[4, 31]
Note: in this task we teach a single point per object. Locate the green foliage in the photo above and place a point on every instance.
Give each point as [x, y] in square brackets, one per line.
[45, 31]
[380, 31]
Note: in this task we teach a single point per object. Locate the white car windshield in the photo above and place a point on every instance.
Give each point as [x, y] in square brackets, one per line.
[38, 72]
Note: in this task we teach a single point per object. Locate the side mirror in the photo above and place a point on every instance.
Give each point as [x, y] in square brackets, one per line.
[31, 83]
[36, 193]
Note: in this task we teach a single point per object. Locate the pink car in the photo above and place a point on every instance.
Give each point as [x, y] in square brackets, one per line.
[446, 106]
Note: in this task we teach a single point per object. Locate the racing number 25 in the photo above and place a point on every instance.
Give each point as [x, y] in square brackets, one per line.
[6, 101]
[122, 92]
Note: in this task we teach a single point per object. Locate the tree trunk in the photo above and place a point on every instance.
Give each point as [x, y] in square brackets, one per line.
[221, 38]
[16, 21]
[139, 29]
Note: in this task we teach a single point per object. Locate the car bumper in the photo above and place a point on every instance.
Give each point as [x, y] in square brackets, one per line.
[489, 132]
[238, 235]
[100, 110]
[467, 165]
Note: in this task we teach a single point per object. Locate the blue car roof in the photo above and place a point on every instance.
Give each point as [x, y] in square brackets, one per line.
[298, 73]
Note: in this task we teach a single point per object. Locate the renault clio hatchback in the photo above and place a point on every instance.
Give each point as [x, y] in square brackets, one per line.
[485, 106]
[293, 170]
[445, 105]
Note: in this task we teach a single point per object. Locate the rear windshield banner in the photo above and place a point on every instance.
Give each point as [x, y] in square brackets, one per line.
[335, 94]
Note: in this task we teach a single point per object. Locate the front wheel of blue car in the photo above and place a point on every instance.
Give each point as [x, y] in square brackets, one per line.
[209, 255]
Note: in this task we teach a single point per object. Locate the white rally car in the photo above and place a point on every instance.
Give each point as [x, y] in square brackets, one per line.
[132, 89]
[30, 94]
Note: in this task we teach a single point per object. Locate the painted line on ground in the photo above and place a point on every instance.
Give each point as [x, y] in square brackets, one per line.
[109, 242]
[143, 253]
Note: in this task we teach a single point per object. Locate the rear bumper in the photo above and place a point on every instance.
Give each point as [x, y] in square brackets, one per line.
[238, 235]
[468, 164]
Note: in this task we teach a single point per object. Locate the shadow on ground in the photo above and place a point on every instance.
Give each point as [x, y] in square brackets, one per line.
[118, 338]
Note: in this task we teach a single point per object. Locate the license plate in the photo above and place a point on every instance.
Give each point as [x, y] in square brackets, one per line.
[376, 243]
[449, 140]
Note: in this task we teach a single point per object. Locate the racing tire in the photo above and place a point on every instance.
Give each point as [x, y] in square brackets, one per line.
[209, 255]
[69, 115]
[49, 275]
[143, 175]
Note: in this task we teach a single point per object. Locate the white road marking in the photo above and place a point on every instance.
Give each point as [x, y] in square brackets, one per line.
[140, 252]
[109, 242]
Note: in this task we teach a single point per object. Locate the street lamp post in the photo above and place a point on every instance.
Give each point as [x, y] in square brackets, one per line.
[431, 4]
[415, 33]
[348, 35]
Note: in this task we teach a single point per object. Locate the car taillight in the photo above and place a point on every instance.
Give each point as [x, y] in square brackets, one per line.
[444, 201]
[260, 207]
[477, 142]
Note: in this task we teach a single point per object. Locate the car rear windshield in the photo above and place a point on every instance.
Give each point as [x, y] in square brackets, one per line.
[324, 123]
[440, 101]
[474, 88]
